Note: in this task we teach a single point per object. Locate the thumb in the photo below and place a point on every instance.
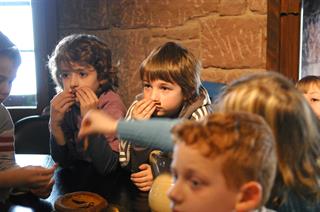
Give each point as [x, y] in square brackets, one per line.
[143, 166]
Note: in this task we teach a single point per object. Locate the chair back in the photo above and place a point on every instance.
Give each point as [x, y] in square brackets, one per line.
[32, 135]
[213, 88]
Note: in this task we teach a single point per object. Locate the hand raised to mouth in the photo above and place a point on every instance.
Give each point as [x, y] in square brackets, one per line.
[144, 109]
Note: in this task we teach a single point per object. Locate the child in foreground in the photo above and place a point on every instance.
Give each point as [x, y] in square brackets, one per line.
[82, 69]
[38, 180]
[310, 87]
[171, 89]
[226, 162]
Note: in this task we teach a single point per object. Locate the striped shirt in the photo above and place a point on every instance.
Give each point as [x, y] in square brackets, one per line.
[7, 159]
[198, 109]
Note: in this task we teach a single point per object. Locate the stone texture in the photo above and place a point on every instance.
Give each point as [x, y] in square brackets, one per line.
[232, 7]
[259, 6]
[228, 36]
[234, 42]
[226, 76]
[185, 32]
[166, 13]
[130, 48]
[83, 14]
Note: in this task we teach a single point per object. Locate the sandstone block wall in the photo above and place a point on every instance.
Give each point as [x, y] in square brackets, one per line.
[229, 36]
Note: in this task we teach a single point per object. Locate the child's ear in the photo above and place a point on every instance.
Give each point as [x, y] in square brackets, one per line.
[250, 197]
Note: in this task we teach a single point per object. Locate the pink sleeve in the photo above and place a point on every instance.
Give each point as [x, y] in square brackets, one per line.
[112, 104]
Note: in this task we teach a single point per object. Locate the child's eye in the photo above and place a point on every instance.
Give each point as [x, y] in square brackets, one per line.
[83, 74]
[195, 183]
[146, 85]
[165, 88]
[314, 100]
[64, 75]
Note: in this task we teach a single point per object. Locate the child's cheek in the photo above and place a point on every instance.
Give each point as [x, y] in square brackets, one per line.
[146, 95]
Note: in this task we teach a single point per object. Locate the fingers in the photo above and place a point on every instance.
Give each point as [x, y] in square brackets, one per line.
[144, 109]
[59, 105]
[86, 95]
[62, 101]
[87, 125]
[44, 191]
[144, 186]
[87, 99]
[41, 176]
[143, 180]
[96, 121]
[143, 176]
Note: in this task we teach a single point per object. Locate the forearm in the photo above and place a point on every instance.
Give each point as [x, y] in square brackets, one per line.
[58, 152]
[103, 157]
[154, 133]
[58, 134]
[8, 178]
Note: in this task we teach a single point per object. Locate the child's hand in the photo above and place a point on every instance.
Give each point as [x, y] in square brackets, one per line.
[144, 109]
[34, 176]
[43, 191]
[96, 121]
[60, 104]
[88, 100]
[143, 179]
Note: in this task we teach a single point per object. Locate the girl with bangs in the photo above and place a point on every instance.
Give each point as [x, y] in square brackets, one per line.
[172, 88]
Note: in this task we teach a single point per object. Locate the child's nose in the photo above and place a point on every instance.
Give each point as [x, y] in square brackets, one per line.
[154, 95]
[175, 193]
[74, 80]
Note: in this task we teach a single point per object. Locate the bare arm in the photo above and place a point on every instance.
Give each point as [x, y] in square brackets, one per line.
[26, 177]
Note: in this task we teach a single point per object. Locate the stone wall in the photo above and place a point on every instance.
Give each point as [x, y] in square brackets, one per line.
[229, 36]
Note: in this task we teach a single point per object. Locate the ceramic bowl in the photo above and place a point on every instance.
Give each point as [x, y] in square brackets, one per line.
[81, 201]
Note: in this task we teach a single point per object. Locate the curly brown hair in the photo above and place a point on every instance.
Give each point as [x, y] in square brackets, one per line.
[84, 49]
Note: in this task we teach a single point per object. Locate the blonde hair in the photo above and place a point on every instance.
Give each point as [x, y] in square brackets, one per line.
[306, 82]
[173, 63]
[245, 142]
[295, 127]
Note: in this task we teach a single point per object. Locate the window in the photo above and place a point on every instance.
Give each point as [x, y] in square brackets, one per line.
[310, 51]
[31, 25]
[16, 23]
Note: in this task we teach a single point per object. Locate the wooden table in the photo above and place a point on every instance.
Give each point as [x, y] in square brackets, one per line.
[116, 188]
